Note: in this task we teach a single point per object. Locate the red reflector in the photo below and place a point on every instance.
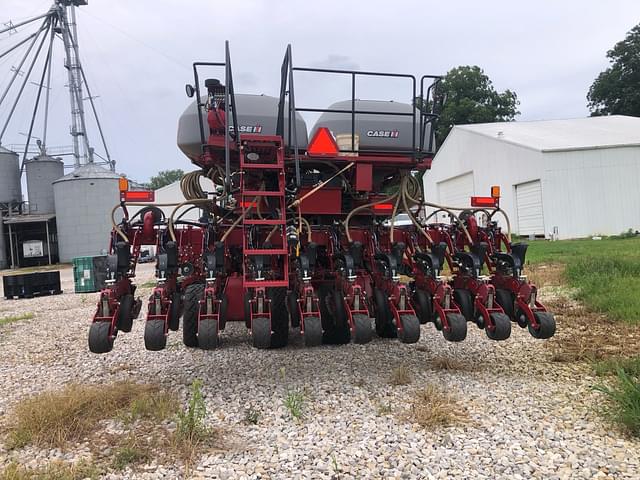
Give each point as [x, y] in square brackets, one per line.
[383, 206]
[484, 202]
[322, 143]
[248, 204]
[138, 196]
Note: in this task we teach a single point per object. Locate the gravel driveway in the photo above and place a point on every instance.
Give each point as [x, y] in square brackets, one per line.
[526, 416]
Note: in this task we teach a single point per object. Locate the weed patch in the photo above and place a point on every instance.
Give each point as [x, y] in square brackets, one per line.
[16, 318]
[53, 418]
[432, 407]
[400, 376]
[192, 433]
[294, 402]
[53, 471]
[624, 401]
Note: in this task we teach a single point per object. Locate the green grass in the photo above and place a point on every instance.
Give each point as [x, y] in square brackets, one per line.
[623, 407]
[294, 402]
[610, 366]
[15, 318]
[606, 273]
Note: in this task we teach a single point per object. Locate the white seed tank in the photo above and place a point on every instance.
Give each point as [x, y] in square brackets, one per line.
[42, 171]
[10, 188]
[83, 200]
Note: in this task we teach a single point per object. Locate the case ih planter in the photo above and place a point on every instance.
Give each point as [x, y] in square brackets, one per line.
[300, 233]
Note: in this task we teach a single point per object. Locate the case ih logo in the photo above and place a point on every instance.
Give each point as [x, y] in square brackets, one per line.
[247, 128]
[383, 133]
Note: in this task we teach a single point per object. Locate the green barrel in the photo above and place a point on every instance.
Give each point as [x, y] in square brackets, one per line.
[89, 273]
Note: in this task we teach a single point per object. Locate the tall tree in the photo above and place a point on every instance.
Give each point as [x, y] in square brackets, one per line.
[469, 97]
[165, 177]
[616, 91]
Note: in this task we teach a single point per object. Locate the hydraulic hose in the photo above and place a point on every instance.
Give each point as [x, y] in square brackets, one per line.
[362, 207]
[134, 204]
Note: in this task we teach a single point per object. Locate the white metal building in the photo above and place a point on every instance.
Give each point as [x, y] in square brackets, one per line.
[577, 177]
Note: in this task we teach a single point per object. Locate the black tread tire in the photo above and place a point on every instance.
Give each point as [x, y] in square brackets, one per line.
[547, 325]
[410, 332]
[292, 306]
[154, 337]
[192, 296]
[464, 300]
[505, 300]
[279, 317]
[503, 327]
[261, 333]
[208, 338]
[333, 316]
[312, 332]
[99, 339]
[125, 313]
[458, 328]
[175, 312]
[363, 331]
[247, 310]
[384, 320]
[423, 303]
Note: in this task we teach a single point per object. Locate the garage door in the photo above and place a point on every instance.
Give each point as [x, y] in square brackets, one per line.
[529, 208]
[455, 192]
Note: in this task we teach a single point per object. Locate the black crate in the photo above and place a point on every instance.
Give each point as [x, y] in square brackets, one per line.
[30, 285]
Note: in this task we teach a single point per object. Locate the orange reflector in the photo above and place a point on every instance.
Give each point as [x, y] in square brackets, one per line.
[138, 196]
[383, 206]
[495, 191]
[322, 143]
[123, 184]
[484, 202]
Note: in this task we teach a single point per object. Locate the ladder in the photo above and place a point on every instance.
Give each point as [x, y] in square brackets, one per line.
[268, 157]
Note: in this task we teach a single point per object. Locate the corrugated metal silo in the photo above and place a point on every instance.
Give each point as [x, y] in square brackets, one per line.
[10, 188]
[84, 199]
[42, 171]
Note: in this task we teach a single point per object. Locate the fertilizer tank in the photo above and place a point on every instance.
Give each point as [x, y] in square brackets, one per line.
[10, 188]
[256, 114]
[83, 201]
[42, 171]
[377, 131]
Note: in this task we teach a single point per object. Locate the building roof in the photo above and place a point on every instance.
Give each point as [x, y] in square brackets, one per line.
[89, 171]
[564, 135]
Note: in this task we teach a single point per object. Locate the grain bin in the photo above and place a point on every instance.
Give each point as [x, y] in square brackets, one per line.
[10, 188]
[42, 171]
[83, 200]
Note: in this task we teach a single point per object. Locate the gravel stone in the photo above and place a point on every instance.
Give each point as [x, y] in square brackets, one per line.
[527, 417]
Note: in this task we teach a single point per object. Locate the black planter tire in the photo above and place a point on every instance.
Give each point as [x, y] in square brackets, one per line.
[363, 332]
[422, 301]
[505, 300]
[208, 338]
[261, 333]
[547, 325]
[125, 313]
[312, 332]
[503, 327]
[292, 306]
[154, 336]
[410, 332]
[384, 320]
[458, 328]
[464, 300]
[192, 296]
[99, 339]
[279, 317]
[175, 312]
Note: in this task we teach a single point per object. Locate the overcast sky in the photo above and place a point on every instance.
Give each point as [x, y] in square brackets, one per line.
[138, 53]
